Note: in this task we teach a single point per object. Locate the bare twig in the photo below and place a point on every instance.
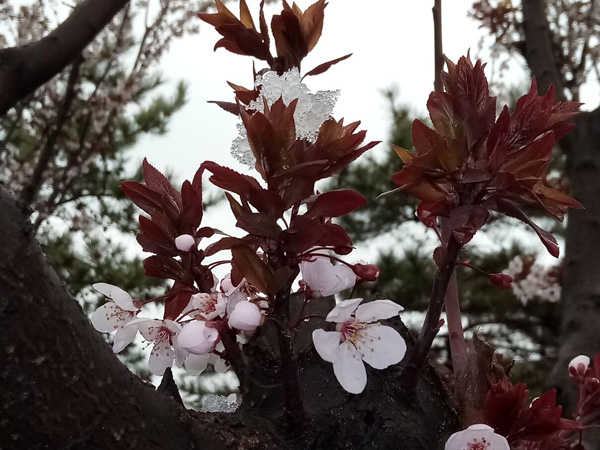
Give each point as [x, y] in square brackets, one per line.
[31, 189]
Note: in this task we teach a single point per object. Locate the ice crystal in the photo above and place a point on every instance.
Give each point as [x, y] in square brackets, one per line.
[220, 403]
[311, 111]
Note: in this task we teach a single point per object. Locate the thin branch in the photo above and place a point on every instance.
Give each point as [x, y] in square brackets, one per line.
[30, 191]
[438, 45]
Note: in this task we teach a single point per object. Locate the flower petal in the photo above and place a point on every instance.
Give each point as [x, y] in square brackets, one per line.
[161, 357]
[349, 369]
[148, 328]
[218, 363]
[377, 310]
[196, 364]
[123, 337]
[343, 310]
[477, 434]
[381, 346]
[116, 294]
[326, 279]
[106, 318]
[327, 343]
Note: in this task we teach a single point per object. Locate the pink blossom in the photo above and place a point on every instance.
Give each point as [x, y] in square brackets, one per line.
[360, 337]
[115, 314]
[477, 437]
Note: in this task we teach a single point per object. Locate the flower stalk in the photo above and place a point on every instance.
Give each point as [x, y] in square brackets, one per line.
[432, 323]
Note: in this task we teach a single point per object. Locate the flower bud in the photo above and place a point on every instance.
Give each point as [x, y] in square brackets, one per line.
[579, 366]
[366, 272]
[184, 242]
[245, 317]
[501, 280]
[197, 338]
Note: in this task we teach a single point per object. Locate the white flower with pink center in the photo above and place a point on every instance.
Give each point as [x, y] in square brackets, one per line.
[477, 437]
[114, 315]
[163, 333]
[360, 337]
[209, 306]
[325, 279]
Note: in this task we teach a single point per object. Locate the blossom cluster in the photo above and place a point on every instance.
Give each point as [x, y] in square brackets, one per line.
[533, 281]
[193, 340]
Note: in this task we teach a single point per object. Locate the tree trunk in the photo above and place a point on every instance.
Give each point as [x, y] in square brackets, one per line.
[580, 328]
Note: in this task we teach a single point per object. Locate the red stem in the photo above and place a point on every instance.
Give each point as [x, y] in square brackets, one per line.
[458, 346]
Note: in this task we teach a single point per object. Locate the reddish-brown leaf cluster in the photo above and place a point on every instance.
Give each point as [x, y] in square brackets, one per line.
[471, 163]
[295, 33]
[172, 214]
[526, 424]
[280, 237]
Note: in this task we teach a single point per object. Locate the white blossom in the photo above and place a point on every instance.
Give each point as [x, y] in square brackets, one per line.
[533, 281]
[209, 306]
[163, 334]
[477, 437]
[115, 314]
[324, 278]
[360, 337]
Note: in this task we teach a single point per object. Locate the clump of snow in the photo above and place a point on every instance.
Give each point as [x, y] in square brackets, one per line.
[311, 111]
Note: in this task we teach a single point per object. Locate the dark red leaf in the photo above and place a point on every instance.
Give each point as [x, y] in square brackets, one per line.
[165, 268]
[230, 107]
[336, 203]
[303, 233]
[252, 267]
[512, 209]
[145, 198]
[154, 239]
[325, 66]
[259, 224]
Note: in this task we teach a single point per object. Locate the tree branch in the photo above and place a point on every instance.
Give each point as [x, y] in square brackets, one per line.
[539, 49]
[23, 69]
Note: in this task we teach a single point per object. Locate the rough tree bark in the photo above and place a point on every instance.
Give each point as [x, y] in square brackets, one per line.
[580, 329]
[61, 386]
[24, 69]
